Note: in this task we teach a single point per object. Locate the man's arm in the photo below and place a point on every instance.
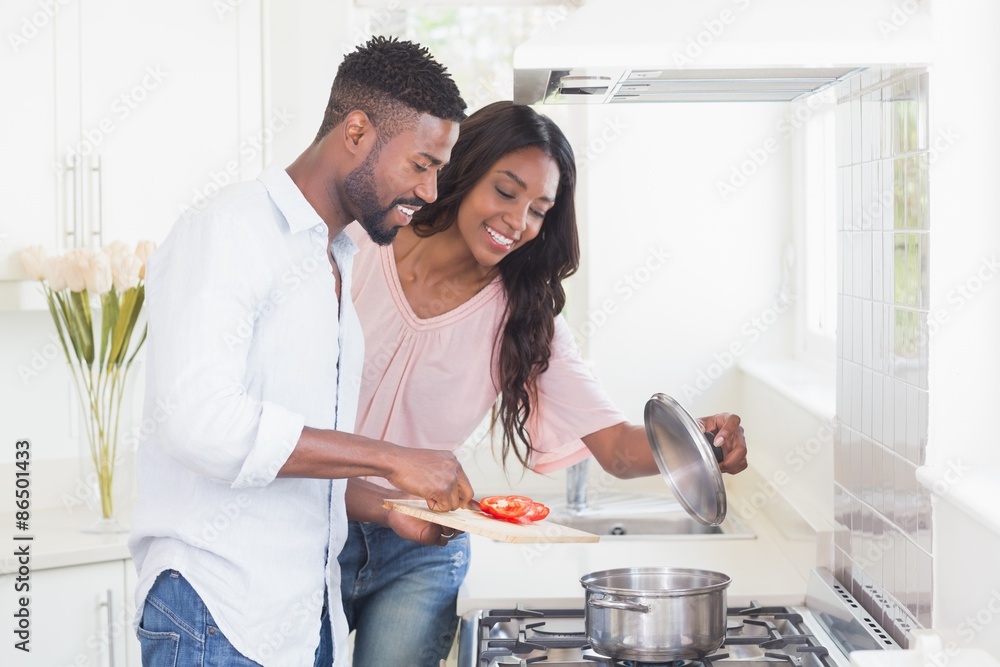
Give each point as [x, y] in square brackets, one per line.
[434, 475]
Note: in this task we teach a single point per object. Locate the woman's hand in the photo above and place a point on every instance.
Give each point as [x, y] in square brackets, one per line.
[729, 436]
[364, 503]
[418, 530]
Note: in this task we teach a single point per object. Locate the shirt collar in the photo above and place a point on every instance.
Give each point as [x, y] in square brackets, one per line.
[343, 246]
[297, 210]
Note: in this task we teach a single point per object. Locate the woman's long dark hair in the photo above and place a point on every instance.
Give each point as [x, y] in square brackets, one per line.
[532, 274]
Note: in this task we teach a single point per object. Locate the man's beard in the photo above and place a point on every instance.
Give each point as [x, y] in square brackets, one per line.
[361, 188]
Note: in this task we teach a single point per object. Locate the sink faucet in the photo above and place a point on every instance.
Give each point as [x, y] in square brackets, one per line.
[576, 486]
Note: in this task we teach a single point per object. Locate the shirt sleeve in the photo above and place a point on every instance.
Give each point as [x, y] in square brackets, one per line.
[204, 290]
[570, 405]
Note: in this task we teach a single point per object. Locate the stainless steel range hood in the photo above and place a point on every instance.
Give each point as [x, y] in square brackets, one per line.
[627, 51]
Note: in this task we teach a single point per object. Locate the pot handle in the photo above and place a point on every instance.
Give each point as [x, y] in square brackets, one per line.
[625, 605]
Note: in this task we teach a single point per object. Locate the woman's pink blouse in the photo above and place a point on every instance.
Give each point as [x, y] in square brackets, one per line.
[428, 382]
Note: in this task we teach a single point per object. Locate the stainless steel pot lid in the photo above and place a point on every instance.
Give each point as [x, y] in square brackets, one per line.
[686, 459]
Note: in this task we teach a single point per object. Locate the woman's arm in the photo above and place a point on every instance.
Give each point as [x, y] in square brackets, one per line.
[364, 503]
[623, 449]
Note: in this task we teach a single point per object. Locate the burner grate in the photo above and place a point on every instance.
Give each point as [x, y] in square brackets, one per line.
[756, 636]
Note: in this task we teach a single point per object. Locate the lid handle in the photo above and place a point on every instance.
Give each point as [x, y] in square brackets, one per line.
[719, 454]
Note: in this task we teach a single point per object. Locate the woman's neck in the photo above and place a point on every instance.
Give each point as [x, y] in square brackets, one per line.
[441, 256]
[438, 273]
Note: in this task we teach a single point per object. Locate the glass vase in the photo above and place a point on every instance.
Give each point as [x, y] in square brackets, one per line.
[108, 436]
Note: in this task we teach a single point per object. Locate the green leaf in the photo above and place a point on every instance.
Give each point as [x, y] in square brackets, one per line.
[71, 326]
[50, 297]
[109, 316]
[142, 340]
[81, 311]
[140, 293]
[123, 328]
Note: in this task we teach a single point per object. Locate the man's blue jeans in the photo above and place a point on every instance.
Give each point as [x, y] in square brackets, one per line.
[177, 630]
[400, 596]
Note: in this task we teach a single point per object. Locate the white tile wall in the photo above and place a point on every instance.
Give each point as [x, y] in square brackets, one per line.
[885, 555]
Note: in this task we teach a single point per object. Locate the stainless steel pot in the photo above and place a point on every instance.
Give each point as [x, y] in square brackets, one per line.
[655, 614]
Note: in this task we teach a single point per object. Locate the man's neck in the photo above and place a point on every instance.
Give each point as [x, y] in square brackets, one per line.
[310, 174]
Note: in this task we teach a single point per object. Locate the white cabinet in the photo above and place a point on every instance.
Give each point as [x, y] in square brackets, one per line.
[78, 616]
[27, 125]
[133, 652]
[126, 113]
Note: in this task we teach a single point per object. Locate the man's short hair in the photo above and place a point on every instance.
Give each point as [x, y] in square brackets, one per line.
[393, 82]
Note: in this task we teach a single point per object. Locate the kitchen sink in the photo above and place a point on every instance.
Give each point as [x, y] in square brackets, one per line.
[668, 524]
[645, 516]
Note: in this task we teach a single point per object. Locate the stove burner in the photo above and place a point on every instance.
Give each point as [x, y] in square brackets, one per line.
[675, 663]
[600, 660]
[755, 637]
[557, 627]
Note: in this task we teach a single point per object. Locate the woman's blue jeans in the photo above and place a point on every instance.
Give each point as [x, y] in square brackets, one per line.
[178, 631]
[399, 596]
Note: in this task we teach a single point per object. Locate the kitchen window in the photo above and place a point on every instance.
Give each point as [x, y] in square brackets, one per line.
[474, 40]
[816, 230]
[808, 375]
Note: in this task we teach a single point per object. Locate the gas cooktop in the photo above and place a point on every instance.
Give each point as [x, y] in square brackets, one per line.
[818, 634]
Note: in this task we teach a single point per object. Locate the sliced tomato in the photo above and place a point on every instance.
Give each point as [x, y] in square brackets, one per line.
[504, 507]
[537, 512]
[516, 509]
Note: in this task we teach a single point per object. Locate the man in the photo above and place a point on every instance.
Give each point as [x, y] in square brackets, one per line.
[254, 364]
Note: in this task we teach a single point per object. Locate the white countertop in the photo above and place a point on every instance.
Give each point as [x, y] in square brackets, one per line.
[59, 540]
[771, 568]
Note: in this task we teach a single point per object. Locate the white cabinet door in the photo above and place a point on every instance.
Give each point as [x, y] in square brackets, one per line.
[133, 652]
[122, 114]
[27, 117]
[76, 616]
[162, 111]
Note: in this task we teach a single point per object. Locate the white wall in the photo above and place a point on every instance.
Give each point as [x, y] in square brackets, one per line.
[653, 174]
[306, 41]
[34, 387]
[964, 355]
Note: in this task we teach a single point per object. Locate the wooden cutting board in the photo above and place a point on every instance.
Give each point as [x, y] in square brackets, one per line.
[481, 524]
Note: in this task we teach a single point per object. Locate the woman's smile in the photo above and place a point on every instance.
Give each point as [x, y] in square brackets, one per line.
[500, 241]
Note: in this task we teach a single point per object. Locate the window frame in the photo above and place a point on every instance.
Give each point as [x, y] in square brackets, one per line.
[816, 212]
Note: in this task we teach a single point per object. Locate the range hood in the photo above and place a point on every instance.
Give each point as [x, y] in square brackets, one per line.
[628, 51]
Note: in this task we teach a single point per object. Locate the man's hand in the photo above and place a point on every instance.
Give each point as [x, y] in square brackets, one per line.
[729, 436]
[433, 475]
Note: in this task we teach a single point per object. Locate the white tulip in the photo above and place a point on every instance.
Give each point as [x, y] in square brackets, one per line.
[76, 265]
[116, 248]
[125, 271]
[98, 278]
[53, 273]
[144, 249]
[33, 258]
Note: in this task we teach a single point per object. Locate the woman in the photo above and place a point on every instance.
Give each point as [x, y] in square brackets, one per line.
[461, 308]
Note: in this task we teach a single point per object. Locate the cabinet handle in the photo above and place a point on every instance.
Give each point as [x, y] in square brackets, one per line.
[98, 231]
[111, 622]
[72, 203]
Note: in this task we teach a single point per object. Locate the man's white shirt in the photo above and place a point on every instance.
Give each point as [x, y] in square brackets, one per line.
[247, 344]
